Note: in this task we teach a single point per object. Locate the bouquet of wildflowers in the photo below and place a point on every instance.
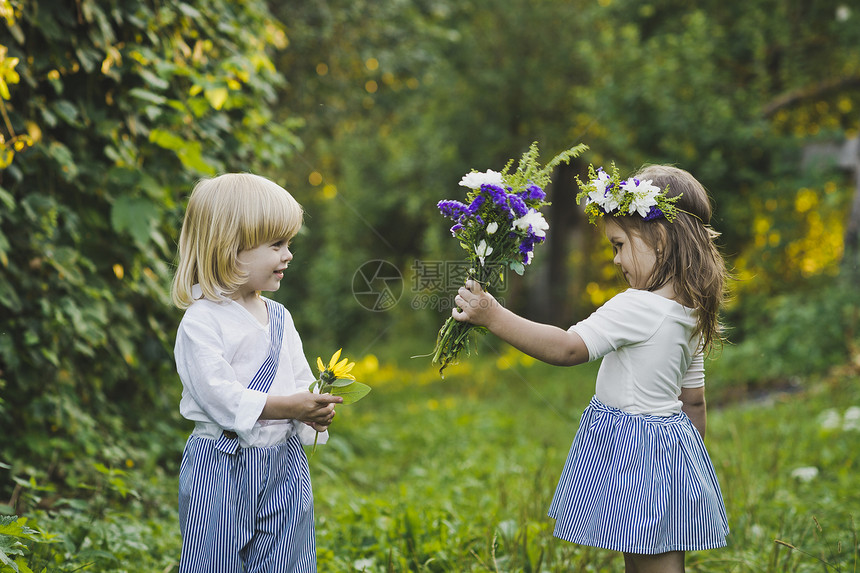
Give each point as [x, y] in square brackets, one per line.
[498, 226]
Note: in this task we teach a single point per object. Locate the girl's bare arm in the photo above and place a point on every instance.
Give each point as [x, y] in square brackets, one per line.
[542, 341]
[693, 400]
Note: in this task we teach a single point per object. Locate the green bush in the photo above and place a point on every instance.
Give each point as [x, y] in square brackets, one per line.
[783, 338]
[125, 104]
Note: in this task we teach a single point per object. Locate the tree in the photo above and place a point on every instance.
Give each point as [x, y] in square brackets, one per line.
[732, 92]
[125, 104]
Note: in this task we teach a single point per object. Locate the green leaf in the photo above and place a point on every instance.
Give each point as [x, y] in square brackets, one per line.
[9, 546]
[217, 97]
[63, 156]
[341, 382]
[517, 267]
[352, 393]
[67, 111]
[189, 152]
[147, 95]
[153, 80]
[167, 140]
[17, 527]
[7, 199]
[192, 158]
[135, 215]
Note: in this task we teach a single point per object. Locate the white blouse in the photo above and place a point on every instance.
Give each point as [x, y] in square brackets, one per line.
[649, 352]
[219, 348]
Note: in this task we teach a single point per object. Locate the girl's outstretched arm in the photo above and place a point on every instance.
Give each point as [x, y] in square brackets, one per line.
[542, 341]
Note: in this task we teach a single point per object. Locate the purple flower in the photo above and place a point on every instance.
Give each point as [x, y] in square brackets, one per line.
[518, 206]
[534, 193]
[497, 194]
[653, 213]
[452, 209]
[455, 228]
[526, 247]
[476, 204]
[527, 250]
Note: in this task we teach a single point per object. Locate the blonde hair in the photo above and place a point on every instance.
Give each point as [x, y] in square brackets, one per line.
[685, 249]
[225, 215]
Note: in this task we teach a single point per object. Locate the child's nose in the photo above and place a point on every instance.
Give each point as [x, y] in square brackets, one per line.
[287, 255]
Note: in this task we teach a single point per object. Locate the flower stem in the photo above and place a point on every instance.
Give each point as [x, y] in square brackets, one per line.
[453, 338]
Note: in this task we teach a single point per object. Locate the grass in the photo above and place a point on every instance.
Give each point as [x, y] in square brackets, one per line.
[456, 475]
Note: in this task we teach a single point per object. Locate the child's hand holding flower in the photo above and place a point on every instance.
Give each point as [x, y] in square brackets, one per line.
[336, 379]
[474, 304]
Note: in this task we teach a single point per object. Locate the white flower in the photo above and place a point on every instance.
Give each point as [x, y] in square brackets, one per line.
[851, 419]
[609, 202]
[599, 194]
[474, 180]
[492, 228]
[600, 182]
[830, 419]
[483, 250]
[757, 530]
[644, 195]
[532, 219]
[805, 474]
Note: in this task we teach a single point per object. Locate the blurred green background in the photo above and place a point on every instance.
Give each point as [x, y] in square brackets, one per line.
[369, 112]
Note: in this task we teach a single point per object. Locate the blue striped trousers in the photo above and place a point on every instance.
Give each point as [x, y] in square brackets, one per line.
[639, 484]
[251, 511]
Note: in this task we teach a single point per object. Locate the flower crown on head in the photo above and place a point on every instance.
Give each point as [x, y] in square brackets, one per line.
[606, 194]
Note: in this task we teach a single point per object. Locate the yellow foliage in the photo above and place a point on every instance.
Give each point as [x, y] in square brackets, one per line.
[329, 191]
[806, 199]
[820, 250]
[217, 97]
[512, 358]
[7, 12]
[812, 244]
[8, 75]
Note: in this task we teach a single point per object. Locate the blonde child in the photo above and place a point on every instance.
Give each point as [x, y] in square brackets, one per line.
[638, 478]
[245, 501]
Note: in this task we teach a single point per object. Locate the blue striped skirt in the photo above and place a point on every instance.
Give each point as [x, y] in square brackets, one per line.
[638, 484]
[250, 511]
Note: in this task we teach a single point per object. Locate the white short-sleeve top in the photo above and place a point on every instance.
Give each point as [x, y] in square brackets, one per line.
[649, 352]
[219, 348]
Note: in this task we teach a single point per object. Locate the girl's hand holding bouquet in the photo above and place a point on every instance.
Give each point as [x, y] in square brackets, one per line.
[498, 226]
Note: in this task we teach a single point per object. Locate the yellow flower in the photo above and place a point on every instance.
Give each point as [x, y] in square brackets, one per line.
[335, 370]
[335, 378]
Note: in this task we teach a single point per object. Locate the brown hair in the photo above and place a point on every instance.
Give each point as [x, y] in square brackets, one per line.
[685, 249]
